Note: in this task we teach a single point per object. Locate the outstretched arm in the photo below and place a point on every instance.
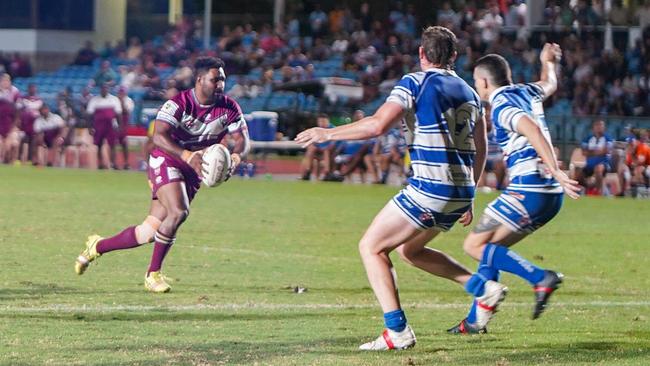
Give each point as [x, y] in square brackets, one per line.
[365, 128]
[527, 127]
[550, 56]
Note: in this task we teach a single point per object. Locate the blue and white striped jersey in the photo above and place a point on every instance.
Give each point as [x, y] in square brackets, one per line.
[509, 104]
[441, 111]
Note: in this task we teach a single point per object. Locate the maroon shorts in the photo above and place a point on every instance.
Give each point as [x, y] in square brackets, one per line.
[49, 137]
[5, 127]
[164, 169]
[104, 131]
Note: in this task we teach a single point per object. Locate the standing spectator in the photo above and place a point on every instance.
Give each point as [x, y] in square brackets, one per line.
[20, 66]
[318, 22]
[491, 24]
[365, 16]
[9, 99]
[125, 118]
[30, 106]
[447, 17]
[643, 13]
[105, 110]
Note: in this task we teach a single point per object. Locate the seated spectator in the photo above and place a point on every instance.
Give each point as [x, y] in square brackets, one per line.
[105, 75]
[318, 157]
[351, 156]
[50, 130]
[597, 148]
[20, 66]
[86, 55]
[135, 49]
[493, 164]
[389, 150]
[635, 173]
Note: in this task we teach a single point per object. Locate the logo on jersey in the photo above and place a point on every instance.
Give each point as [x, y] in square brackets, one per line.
[196, 126]
[426, 217]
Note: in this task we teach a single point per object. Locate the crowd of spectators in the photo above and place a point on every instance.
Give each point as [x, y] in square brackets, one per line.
[377, 50]
[599, 75]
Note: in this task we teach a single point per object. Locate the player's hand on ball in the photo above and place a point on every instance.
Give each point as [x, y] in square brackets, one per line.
[196, 162]
[312, 136]
[236, 159]
[551, 53]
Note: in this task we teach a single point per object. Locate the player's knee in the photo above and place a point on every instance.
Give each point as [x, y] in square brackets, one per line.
[473, 247]
[177, 215]
[144, 232]
[367, 247]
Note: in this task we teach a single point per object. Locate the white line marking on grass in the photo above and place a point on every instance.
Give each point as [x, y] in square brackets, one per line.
[63, 308]
[270, 254]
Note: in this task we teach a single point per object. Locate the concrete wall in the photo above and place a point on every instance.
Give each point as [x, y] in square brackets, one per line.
[48, 49]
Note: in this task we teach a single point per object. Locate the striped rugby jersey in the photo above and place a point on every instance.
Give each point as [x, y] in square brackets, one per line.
[441, 111]
[509, 104]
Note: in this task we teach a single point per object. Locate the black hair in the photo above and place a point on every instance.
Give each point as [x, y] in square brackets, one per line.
[204, 64]
[497, 67]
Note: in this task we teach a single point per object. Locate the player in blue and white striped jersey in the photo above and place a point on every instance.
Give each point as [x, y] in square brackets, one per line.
[445, 132]
[534, 195]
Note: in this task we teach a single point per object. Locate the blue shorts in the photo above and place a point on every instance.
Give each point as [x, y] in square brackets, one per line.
[427, 212]
[525, 212]
[590, 167]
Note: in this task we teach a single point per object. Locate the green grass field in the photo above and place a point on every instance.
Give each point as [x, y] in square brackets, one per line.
[247, 243]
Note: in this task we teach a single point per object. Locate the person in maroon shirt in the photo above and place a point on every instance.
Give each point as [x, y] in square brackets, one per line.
[30, 105]
[9, 102]
[185, 125]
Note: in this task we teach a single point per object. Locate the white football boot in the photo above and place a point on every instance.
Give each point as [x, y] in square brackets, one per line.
[391, 340]
[487, 304]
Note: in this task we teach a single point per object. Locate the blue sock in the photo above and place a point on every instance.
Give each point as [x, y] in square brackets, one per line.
[395, 320]
[501, 258]
[488, 273]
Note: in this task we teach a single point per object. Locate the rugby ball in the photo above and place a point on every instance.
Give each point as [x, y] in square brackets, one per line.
[216, 164]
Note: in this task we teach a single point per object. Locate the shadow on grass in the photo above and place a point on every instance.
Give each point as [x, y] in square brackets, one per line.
[33, 290]
[175, 316]
[342, 351]
[233, 352]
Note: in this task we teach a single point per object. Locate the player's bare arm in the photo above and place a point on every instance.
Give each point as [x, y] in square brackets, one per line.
[365, 128]
[242, 146]
[551, 54]
[162, 140]
[527, 127]
[480, 143]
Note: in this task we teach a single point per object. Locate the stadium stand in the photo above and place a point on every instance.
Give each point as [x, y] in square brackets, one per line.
[600, 76]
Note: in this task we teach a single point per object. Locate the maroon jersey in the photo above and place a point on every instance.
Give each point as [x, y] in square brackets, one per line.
[8, 100]
[196, 126]
[30, 105]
